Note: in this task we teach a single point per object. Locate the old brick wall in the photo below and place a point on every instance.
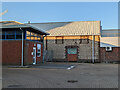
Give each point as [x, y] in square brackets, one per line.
[84, 50]
[110, 56]
[11, 51]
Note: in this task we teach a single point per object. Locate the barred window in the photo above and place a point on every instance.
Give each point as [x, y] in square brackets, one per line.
[80, 41]
[59, 40]
[84, 41]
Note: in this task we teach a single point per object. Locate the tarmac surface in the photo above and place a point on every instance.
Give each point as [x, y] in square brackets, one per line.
[57, 75]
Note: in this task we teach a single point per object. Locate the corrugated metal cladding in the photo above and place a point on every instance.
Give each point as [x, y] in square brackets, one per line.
[110, 33]
[11, 24]
[109, 41]
[6, 23]
[48, 26]
[77, 28]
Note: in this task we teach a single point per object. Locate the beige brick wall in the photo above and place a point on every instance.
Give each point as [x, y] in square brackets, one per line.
[85, 50]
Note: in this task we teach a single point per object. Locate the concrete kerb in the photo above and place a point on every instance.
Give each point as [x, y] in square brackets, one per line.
[18, 66]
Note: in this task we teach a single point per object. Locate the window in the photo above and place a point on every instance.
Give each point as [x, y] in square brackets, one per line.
[3, 36]
[84, 41]
[39, 38]
[11, 35]
[59, 40]
[80, 41]
[28, 35]
[0, 36]
[38, 53]
[72, 51]
[18, 36]
[33, 36]
[38, 50]
[87, 41]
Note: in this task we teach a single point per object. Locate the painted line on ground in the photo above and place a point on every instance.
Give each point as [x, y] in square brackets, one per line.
[71, 67]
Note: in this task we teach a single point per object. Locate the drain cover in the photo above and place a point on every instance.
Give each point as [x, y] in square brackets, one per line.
[72, 81]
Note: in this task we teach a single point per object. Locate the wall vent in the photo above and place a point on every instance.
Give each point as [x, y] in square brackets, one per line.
[108, 48]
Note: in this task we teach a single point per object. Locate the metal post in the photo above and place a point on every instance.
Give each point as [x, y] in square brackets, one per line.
[43, 49]
[22, 46]
[93, 40]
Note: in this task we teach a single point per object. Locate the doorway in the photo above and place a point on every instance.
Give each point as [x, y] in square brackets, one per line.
[72, 54]
[34, 55]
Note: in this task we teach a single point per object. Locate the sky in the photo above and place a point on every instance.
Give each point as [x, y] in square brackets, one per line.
[37, 12]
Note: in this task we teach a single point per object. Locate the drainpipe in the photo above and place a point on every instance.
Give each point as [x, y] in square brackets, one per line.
[22, 46]
[43, 48]
[93, 40]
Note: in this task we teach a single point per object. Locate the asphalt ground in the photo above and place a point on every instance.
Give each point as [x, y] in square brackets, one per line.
[57, 75]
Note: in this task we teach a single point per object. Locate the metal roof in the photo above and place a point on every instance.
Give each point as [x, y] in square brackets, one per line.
[110, 33]
[48, 26]
[10, 23]
[14, 24]
[110, 38]
[109, 41]
[70, 28]
[77, 28]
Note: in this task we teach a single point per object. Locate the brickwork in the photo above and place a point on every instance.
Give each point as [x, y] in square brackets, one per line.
[84, 50]
[110, 56]
[29, 49]
[11, 52]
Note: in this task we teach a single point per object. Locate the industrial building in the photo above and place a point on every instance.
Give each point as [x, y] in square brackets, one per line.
[110, 45]
[80, 41]
[21, 44]
[71, 41]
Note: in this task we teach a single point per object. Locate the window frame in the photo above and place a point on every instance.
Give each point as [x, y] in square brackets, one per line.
[33, 36]
[56, 40]
[39, 50]
[12, 33]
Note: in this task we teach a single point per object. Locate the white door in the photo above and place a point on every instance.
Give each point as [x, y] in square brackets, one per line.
[34, 55]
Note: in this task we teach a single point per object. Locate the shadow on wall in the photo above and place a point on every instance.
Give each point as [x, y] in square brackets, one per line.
[107, 45]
